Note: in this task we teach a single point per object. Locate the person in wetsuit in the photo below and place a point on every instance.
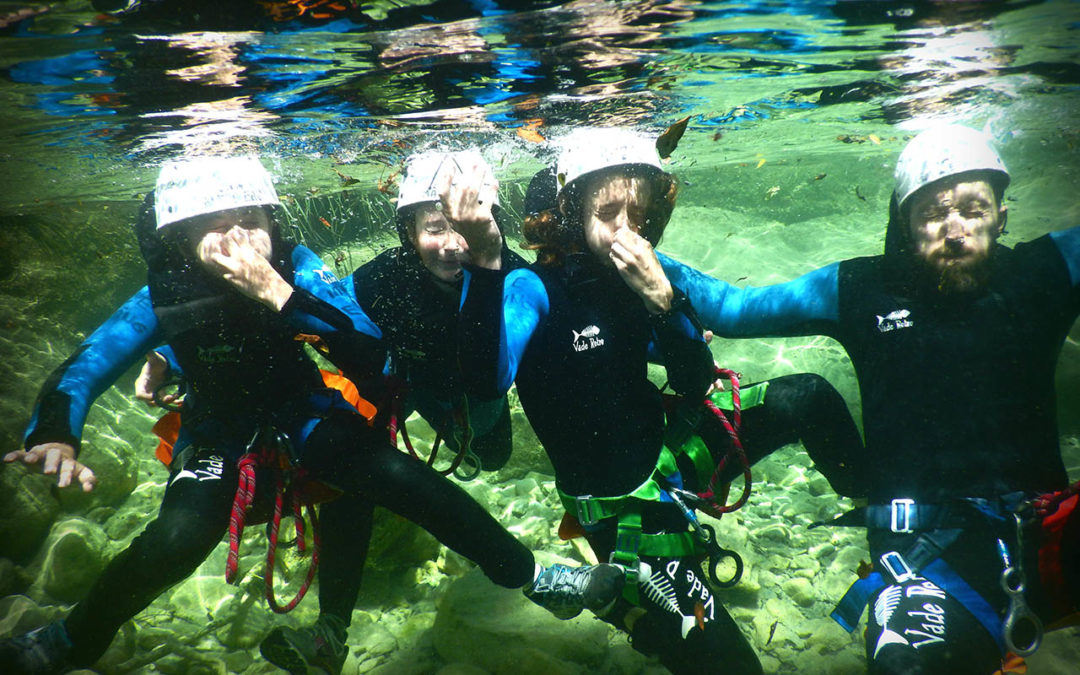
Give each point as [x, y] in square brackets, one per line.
[954, 339]
[412, 292]
[574, 331]
[229, 296]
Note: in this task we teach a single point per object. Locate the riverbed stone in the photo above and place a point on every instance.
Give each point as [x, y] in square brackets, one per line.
[75, 554]
[27, 510]
[499, 630]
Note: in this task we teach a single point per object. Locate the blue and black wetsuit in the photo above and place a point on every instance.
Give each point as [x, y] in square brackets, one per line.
[418, 315]
[958, 394]
[577, 341]
[244, 370]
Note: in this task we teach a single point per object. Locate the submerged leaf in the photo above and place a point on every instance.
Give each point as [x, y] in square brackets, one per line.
[669, 140]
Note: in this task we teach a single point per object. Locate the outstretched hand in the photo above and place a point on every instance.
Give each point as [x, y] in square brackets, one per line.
[637, 264]
[467, 190]
[153, 375]
[56, 458]
[240, 257]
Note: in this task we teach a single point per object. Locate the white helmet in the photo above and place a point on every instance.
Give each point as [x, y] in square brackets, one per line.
[193, 187]
[588, 150]
[422, 171]
[941, 152]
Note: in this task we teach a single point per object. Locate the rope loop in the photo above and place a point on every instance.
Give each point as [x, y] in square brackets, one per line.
[260, 455]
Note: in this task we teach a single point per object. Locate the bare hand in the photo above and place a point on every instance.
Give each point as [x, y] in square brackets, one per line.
[153, 374]
[638, 266]
[239, 256]
[467, 190]
[56, 458]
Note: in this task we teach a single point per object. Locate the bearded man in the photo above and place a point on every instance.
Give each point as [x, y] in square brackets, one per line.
[954, 339]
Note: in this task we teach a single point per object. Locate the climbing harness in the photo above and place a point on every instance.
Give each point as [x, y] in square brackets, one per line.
[665, 485]
[713, 501]
[465, 466]
[272, 449]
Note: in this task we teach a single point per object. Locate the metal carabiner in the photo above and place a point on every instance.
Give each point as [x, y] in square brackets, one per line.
[1022, 630]
[717, 554]
[471, 460]
[159, 393]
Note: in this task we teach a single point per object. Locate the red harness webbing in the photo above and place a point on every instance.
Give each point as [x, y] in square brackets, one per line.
[245, 495]
[1046, 504]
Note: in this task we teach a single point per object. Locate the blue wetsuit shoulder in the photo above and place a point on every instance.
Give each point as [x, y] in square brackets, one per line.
[111, 349]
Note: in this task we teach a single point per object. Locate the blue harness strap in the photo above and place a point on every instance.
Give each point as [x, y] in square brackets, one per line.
[850, 608]
[954, 585]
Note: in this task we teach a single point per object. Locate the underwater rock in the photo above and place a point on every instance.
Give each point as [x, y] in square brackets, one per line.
[27, 511]
[75, 554]
[800, 591]
[19, 614]
[499, 630]
[13, 579]
[397, 543]
[461, 669]
[528, 455]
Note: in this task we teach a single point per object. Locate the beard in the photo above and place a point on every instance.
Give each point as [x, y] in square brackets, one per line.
[953, 276]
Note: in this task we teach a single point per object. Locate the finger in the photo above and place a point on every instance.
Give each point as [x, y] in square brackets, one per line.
[708, 335]
[86, 478]
[14, 455]
[67, 467]
[53, 459]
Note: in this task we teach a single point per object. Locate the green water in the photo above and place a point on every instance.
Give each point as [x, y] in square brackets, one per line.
[775, 181]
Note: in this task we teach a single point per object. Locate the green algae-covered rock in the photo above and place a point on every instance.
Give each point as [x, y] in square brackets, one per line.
[27, 510]
[75, 554]
[499, 630]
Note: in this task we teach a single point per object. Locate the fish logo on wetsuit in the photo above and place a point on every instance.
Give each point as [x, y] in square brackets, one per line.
[894, 320]
[588, 338]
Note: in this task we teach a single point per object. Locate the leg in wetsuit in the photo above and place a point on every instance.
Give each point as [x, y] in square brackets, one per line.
[672, 598]
[802, 407]
[341, 451]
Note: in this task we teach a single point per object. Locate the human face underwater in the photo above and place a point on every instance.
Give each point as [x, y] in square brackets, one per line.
[614, 203]
[953, 226]
[212, 231]
[441, 248]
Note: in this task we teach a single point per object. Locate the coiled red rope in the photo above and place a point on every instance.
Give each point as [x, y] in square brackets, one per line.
[268, 457]
[711, 502]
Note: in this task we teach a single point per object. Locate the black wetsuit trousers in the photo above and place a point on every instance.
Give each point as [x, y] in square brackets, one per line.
[341, 451]
[801, 407]
[672, 598]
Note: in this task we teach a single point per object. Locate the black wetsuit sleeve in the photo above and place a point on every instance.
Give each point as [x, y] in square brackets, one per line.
[479, 331]
[689, 364]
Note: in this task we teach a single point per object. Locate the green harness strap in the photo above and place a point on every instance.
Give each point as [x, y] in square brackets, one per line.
[630, 541]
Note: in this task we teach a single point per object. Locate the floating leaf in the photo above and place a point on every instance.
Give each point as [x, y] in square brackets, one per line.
[669, 140]
[346, 180]
[529, 131]
[874, 139]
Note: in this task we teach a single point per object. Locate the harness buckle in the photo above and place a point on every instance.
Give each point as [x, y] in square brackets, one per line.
[897, 567]
[586, 510]
[903, 511]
